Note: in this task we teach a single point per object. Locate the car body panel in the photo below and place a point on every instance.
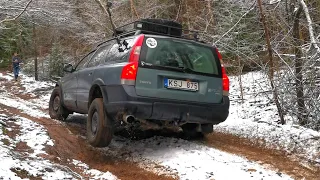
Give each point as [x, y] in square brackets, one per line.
[69, 89]
[84, 83]
[150, 83]
[123, 99]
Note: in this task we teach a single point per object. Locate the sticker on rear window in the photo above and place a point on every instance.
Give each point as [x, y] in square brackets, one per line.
[151, 43]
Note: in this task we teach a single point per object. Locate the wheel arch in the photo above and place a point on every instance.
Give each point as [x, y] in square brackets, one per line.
[58, 84]
[97, 92]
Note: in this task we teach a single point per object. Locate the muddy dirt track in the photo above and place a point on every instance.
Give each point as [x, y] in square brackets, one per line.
[70, 143]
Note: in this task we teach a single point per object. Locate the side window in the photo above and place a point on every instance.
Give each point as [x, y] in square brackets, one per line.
[83, 62]
[98, 56]
[115, 56]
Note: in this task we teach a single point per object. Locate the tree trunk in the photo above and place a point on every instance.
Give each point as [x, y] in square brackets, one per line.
[35, 53]
[240, 78]
[271, 65]
[302, 112]
[133, 10]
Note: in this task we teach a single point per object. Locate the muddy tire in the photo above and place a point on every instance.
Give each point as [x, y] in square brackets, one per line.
[56, 109]
[98, 135]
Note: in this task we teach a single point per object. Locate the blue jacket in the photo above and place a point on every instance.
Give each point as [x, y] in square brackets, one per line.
[16, 64]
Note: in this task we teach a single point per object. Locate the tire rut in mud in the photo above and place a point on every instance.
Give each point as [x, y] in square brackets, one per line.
[274, 159]
[270, 158]
[69, 146]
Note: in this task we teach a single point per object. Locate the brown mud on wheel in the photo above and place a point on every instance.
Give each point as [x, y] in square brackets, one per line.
[274, 159]
[69, 146]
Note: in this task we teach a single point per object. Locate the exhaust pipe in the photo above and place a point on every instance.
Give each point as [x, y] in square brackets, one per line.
[129, 119]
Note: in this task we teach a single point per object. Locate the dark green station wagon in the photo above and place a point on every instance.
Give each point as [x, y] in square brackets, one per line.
[150, 73]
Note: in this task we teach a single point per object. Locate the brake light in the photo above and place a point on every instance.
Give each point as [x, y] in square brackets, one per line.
[136, 50]
[129, 73]
[225, 78]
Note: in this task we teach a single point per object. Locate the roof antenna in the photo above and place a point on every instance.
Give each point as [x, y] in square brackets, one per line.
[109, 5]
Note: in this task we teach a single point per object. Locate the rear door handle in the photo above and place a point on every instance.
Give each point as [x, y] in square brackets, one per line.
[90, 74]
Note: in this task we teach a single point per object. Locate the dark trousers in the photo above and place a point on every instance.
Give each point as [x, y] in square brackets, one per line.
[16, 70]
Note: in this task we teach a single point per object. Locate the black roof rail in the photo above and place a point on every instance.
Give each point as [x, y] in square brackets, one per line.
[146, 27]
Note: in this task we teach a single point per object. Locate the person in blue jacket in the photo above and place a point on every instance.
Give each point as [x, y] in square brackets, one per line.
[16, 65]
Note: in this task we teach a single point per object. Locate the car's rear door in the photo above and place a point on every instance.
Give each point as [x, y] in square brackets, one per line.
[85, 77]
[69, 86]
[178, 69]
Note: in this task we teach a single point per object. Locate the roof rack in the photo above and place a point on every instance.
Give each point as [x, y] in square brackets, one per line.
[144, 26]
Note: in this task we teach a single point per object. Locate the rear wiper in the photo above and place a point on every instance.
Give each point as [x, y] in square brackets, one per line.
[170, 67]
[185, 69]
[180, 68]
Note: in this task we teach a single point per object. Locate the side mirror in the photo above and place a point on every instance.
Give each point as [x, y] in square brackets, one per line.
[68, 68]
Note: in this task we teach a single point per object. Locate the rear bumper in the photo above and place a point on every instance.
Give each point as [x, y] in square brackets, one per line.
[123, 100]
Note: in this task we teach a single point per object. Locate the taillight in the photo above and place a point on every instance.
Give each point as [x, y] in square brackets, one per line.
[225, 78]
[136, 49]
[129, 71]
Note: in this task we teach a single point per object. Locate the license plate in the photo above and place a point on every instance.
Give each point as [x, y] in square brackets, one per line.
[180, 84]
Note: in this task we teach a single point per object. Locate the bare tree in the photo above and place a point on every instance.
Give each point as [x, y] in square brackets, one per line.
[271, 64]
[17, 16]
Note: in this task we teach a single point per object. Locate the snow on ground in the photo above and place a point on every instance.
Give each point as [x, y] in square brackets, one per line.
[12, 161]
[31, 85]
[253, 119]
[27, 107]
[7, 77]
[36, 138]
[189, 160]
[256, 119]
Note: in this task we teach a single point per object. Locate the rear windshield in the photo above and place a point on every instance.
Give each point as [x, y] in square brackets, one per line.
[172, 53]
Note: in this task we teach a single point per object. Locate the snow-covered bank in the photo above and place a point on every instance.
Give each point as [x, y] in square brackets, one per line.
[255, 118]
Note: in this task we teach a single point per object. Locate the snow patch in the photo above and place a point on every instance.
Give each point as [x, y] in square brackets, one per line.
[100, 175]
[190, 160]
[30, 130]
[7, 77]
[96, 174]
[255, 118]
[32, 85]
[25, 106]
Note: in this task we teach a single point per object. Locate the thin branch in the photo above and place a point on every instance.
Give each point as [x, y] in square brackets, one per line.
[311, 33]
[15, 18]
[292, 73]
[179, 10]
[134, 10]
[251, 8]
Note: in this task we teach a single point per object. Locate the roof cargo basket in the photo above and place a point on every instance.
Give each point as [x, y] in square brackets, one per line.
[154, 26]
